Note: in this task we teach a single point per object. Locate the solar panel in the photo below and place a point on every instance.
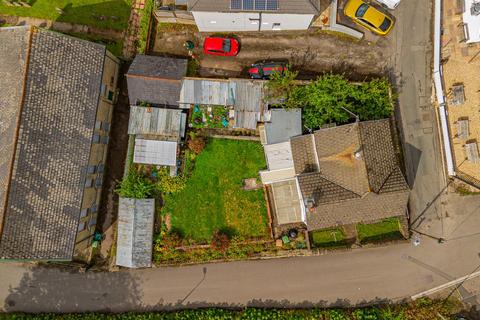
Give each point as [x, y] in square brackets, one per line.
[272, 4]
[247, 4]
[260, 4]
[236, 4]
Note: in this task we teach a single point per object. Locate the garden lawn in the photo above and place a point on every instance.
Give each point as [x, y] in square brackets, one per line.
[334, 237]
[76, 11]
[213, 198]
[387, 229]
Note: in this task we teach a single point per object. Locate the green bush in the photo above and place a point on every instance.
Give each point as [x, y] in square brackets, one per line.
[385, 230]
[167, 184]
[135, 185]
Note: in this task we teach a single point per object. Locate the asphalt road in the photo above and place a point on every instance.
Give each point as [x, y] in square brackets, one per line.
[344, 278]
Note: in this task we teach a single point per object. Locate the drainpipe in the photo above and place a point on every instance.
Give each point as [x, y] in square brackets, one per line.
[438, 82]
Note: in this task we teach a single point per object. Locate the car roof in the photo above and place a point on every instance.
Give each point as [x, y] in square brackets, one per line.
[374, 16]
[213, 43]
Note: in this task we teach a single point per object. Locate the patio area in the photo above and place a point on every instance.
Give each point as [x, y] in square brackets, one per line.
[461, 67]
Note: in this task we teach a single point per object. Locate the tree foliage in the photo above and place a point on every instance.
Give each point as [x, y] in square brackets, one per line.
[332, 98]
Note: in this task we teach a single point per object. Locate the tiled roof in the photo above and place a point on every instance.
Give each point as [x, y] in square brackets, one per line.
[284, 6]
[370, 208]
[156, 80]
[314, 186]
[336, 149]
[303, 152]
[13, 63]
[53, 147]
[380, 158]
[358, 178]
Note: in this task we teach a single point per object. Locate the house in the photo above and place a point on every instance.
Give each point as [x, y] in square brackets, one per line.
[155, 80]
[253, 15]
[135, 232]
[157, 133]
[336, 176]
[56, 114]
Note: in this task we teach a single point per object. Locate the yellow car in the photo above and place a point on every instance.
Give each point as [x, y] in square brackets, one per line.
[369, 17]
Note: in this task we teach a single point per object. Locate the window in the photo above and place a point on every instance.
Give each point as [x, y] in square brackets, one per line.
[104, 139]
[92, 222]
[98, 124]
[101, 168]
[103, 90]
[83, 213]
[226, 46]
[112, 79]
[81, 226]
[105, 126]
[385, 24]
[96, 138]
[94, 208]
[362, 10]
[88, 183]
[110, 95]
[98, 182]
[91, 169]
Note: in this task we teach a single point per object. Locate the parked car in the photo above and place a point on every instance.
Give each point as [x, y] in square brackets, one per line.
[221, 46]
[368, 17]
[263, 69]
[390, 4]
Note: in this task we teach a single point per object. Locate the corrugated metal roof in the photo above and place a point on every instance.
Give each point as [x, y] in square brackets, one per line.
[155, 121]
[246, 96]
[162, 153]
[204, 91]
[135, 232]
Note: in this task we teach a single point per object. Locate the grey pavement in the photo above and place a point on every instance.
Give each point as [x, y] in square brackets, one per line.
[389, 273]
[344, 278]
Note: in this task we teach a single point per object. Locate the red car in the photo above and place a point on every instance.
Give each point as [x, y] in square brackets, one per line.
[221, 46]
[263, 69]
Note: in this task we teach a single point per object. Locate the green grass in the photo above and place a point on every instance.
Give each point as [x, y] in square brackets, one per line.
[114, 46]
[76, 11]
[213, 198]
[328, 238]
[385, 230]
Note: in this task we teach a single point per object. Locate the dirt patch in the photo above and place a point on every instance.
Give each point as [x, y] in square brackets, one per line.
[312, 52]
[117, 151]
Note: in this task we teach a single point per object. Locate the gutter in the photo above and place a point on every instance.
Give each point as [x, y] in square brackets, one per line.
[438, 82]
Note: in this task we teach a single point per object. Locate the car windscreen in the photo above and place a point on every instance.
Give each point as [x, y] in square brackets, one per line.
[361, 10]
[385, 24]
[226, 45]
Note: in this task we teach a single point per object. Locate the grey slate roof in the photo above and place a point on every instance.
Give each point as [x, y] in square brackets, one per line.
[156, 80]
[135, 232]
[13, 63]
[284, 6]
[163, 123]
[283, 125]
[358, 177]
[61, 92]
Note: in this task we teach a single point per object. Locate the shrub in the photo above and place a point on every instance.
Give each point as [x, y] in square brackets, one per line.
[167, 184]
[220, 241]
[135, 185]
[196, 144]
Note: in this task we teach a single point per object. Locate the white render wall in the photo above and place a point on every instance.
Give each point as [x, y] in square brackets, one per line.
[249, 21]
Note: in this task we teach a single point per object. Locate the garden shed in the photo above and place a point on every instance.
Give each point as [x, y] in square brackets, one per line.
[163, 124]
[245, 97]
[135, 232]
[156, 152]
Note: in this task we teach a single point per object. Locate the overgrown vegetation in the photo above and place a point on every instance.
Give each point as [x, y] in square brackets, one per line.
[331, 98]
[105, 14]
[422, 309]
[463, 190]
[385, 230]
[209, 117]
[143, 182]
[145, 17]
[328, 238]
